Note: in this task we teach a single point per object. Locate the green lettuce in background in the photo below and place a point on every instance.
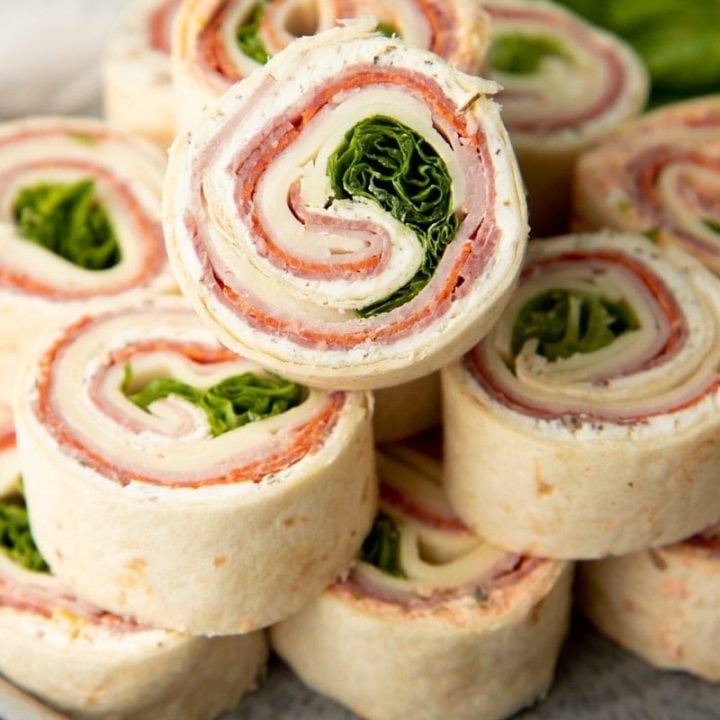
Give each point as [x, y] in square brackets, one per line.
[679, 40]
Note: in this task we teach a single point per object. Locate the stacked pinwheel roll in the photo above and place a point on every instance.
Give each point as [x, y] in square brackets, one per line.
[344, 214]
[138, 90]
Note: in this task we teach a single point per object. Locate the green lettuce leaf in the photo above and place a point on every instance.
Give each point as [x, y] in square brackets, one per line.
[567, 322]
[16, 539]
[521, 54]
[234, 402]
[677, 39]
[389, 163]
[248, 37]
[381, 547]
[68, 220]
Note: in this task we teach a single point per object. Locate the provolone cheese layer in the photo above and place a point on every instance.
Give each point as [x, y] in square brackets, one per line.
[283, 270]
[660, 176]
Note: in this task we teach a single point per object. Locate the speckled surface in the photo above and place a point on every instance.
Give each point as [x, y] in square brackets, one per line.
[595, 681]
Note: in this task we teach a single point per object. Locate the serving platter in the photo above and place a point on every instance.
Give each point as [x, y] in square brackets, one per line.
[595, 680]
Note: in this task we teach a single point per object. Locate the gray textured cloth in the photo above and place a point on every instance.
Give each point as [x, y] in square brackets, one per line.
[595, 681]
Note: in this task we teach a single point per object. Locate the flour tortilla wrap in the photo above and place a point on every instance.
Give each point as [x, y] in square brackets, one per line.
[660, 604]
[207, 523]
[586, 424]
[433, 622]
[89, 663]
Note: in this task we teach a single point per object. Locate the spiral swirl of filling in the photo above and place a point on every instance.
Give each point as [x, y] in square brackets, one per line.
[659, 176]
[127, 391]
[605, 329]
[419, 554]
[561, 77]
[356, 212]
[79, 208]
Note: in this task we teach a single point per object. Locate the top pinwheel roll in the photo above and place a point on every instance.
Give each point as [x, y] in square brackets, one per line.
[218, 42]
[137, 85]
[566, 83]
[659, 175]
[350, 215]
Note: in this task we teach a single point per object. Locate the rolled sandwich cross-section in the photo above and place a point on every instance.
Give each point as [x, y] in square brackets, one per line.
[586, 424]
[659, 175]
[433, 622]
[80, 223]
[171, 480]
[565, 84]
[137, 84]
[350, 215]
[662, 604]
[90, 663]
[218, 42]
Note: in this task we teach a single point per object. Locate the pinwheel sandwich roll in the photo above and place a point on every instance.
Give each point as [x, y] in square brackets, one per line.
[433, 622]
[350, 215]
[171, 480]
[663, 604]
[137, 84]
[408, 409]
[218, 42]
[658, 175]
[586, 423]
[565, 84]
[89, 663]
[80, 224]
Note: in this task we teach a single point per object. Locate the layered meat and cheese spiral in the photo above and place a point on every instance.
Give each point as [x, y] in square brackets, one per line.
[169, 479]
[218, 42]
[565, 84]
[137, 84]
[587, 423]
[660, 175]
[662, 604]
[80, 222]
[433, 622]
[90, 663]
[350, 216]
